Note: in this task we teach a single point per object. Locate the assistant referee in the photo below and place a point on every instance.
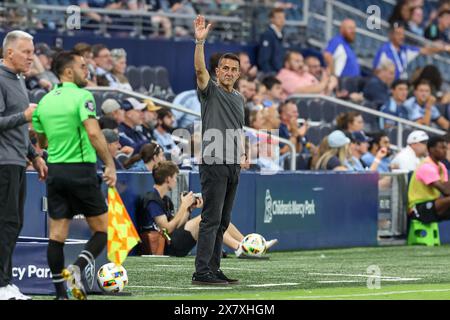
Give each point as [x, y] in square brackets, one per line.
[222, 110]
[65, 121]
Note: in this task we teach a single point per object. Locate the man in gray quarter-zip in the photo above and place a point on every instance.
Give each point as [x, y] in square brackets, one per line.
[15, 149]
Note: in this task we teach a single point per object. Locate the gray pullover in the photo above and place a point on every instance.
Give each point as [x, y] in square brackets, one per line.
[15, 145]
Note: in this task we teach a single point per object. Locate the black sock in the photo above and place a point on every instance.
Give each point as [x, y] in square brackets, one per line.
[92, 249]
[55, 258]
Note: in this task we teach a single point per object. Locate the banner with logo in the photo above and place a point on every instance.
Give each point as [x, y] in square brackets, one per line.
[317, 210]
[307, 210]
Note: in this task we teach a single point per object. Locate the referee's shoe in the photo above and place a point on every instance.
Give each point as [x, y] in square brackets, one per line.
[72, 275]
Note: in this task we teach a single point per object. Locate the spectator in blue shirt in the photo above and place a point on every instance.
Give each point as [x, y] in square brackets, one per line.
[112, 139]
[270, 50]
[340, 58]
[150, 155]
[376, 90]
[378, 145]
[274, 93]
[401, 54]
[415, 23]
[421, 107]
[289, 128]
[163, 130]
[394, 106]
[129, 136]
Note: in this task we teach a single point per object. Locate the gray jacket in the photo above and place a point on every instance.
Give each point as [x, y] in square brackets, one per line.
[15, 145]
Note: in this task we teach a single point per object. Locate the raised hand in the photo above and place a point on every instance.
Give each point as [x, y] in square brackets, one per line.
[201, 32]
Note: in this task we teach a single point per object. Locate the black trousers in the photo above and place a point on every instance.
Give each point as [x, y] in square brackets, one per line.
[12, 202]
[219, 184]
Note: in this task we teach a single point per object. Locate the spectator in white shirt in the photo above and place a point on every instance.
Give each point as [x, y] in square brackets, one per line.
[410, 157]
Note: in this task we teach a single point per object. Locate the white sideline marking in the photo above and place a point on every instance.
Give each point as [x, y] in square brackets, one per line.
[359, 275]
[356, 281]
[273, 284]
[184, 266]
[181, 288]
[370, 294]
[153, 256]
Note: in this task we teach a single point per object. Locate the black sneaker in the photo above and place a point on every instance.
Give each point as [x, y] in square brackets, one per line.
[208, 279]
[219, 274]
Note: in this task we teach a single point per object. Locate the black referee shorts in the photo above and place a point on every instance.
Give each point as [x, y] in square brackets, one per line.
[74, 188]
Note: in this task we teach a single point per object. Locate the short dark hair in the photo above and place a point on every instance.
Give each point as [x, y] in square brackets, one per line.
[82, 47]
[288, 54]
[162, 113]
[399, 82]
[107, 122]
[274, 11]
[283, 106]
[230, 56]
[62, 60]
[396, 25]
[376, 138]
[422, 82]
[164, 170]
[270, 81]
[345, 118]
[96, 48]
[443, 12]
[434, 140]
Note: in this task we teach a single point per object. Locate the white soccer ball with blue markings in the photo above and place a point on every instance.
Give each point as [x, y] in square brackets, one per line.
[253, 244]
[112, 278]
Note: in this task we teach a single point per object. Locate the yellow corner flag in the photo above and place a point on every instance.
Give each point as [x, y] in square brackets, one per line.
[122, 235]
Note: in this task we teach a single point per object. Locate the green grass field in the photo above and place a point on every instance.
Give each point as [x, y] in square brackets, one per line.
[406, 273]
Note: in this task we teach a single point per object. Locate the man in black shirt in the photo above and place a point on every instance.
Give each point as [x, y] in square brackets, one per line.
[222, 110]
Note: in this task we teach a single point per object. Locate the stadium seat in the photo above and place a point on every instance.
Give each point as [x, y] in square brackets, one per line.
[351, 84]
[162, 87]
[392, 134]
[303, 108]
[148, 78]
[328, 112]
[406, 132]
[315, 110]
[371, 121]
[313, 135]
[134, 77]
[423, 234]
[110, 95]
[98, 97]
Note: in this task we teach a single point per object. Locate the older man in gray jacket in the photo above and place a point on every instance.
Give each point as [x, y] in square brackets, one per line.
[15, 148]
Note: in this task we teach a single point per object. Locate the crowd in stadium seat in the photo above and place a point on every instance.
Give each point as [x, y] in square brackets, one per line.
[267, 82]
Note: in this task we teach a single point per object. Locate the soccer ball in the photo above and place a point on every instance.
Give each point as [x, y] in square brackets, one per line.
[112, 278]
[254, 244]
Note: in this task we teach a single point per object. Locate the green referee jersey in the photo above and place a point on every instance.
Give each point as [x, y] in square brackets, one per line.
[60, 115]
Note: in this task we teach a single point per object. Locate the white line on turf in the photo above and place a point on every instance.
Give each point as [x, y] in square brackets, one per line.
[185, 266]
[273, 284]
[363, 280]
[154, 256]
[181, 288]
[369, 294]
[357, 275]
